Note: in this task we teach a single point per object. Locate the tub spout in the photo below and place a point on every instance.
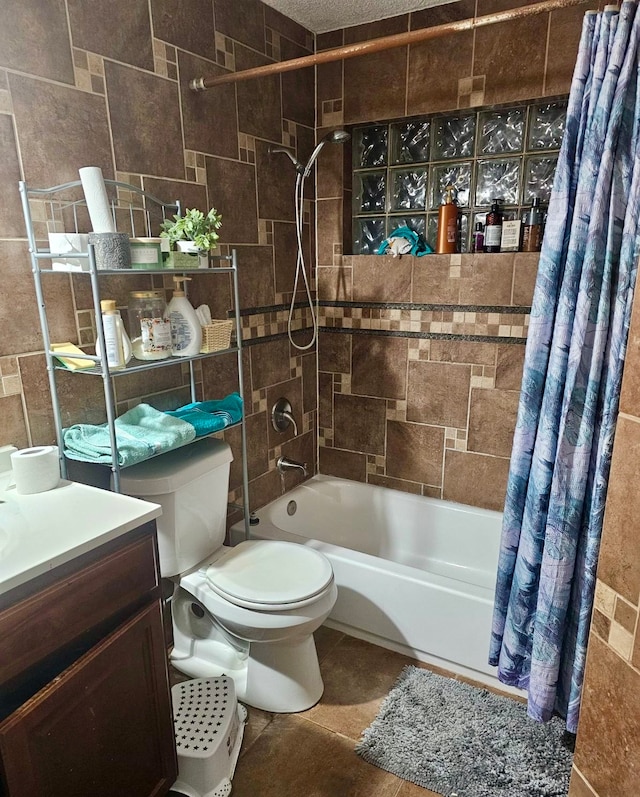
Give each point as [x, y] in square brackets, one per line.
[284, 464]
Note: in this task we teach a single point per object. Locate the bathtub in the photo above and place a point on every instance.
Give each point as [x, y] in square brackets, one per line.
[414, 574]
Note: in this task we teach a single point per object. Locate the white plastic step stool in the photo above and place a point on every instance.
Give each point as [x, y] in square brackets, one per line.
[209, 724]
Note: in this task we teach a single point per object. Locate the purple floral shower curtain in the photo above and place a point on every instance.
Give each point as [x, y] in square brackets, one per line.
[573, 370]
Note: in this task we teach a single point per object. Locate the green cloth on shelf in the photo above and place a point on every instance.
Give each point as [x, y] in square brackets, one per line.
[211, 416]
[141, 433]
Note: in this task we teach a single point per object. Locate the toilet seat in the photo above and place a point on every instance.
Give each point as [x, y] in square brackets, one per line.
[270, 575]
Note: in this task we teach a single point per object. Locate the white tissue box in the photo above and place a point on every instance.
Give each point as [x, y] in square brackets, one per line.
[62, 243]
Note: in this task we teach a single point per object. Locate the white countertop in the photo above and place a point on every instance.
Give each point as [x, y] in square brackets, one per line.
[39, 532]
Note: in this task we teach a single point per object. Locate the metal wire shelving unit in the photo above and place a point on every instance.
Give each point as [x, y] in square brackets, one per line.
[140, 206]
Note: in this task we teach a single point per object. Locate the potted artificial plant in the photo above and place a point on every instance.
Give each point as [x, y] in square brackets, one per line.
[195, 234]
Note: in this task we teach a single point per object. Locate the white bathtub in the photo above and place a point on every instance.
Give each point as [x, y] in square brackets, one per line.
[414, 574]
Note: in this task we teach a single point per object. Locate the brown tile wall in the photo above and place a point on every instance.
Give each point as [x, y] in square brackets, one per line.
[418, 383]
[93, 84]
[607, 758]
[449, 375]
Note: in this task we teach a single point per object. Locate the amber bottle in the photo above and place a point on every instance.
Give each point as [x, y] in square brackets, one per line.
[532, 228]
[493, 228]
[447, 243]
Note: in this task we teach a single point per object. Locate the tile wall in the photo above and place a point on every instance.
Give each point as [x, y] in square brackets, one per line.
[607, 758]
[420, 360]
[85, 83]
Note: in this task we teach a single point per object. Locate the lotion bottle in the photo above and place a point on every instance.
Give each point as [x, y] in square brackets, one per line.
[186, 332]
[447, 243]
[493, 228]
[532, 228]
[114, 336]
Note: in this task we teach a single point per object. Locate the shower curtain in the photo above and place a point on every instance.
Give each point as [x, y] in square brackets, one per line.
[573, 369]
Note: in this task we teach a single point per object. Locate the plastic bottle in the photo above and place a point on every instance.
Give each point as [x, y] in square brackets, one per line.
[114, 335]
[447, 243]
[532, 228]
[186, 332]
[493, 228]
[477, 241]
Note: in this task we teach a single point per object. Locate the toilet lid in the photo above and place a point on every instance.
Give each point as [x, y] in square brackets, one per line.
[269, 573]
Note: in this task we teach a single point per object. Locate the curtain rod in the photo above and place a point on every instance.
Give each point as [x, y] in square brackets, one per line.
[384, 43]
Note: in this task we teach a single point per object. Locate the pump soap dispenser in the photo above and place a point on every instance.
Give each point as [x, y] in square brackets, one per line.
[447, 243]
[186, 332]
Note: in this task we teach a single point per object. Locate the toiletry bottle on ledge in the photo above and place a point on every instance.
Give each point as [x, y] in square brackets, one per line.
[532, 228]
[493, 228]
[477, 241]
[114, 334]
[447, 243]
[186, 332]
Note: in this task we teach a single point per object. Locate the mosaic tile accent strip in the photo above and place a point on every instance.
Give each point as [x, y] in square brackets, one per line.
[308, 421]
[289, 134]
[397, 410]
[622, 618]
[325, 437]
[224, 52]
[259, 401]
[427, 320]
[195, 166]
[6, 105]
[165, 59]
[88, 71]
[455, 439]
[332, 113]
[273, 455]
[247, 145]
[376, 465]
[10, 382]
[265, 234]
[270, 323]
[272, 44]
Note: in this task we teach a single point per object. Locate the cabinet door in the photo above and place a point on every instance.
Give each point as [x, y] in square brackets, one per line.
[103, 728]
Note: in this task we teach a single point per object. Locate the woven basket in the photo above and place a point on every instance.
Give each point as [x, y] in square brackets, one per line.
[216, 336]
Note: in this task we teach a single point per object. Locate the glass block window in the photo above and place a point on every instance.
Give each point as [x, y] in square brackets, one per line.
[402, 168]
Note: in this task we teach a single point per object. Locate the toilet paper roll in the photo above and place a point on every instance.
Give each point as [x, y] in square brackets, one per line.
[95, 194]
[36, 470]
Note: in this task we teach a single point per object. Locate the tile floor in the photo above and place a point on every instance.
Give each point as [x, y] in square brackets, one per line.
[311, 754]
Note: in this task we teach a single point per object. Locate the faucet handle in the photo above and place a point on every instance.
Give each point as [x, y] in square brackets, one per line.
[282, 416]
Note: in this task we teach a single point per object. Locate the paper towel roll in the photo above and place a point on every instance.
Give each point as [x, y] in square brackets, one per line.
[36, 470]
[97, 201]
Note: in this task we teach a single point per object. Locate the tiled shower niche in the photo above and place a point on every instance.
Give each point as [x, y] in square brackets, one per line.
[402, 168]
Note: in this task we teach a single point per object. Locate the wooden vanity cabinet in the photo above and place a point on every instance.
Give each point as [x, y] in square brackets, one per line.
[85, 706]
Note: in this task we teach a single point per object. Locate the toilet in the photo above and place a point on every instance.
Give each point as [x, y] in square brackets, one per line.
[248, 612]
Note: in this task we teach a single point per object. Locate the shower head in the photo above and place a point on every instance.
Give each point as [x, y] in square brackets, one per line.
[333, 137]
[337, 137]
[290, 155]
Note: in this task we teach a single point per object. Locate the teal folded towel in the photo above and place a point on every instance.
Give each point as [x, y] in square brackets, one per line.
[211, 416]
[141, 433]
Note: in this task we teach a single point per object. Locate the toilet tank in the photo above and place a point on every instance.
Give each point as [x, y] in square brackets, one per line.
[191, 485]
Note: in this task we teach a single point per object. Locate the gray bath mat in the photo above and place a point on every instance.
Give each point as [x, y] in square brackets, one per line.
[456, 739]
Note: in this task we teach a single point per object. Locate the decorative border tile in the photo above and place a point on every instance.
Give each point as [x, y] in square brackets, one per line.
[272, 43]
[464, 322]
[225, 55]
[265, 233]
[614, 607]
[289, 134]
[10, 382]
[195, 166]
[247, 146]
